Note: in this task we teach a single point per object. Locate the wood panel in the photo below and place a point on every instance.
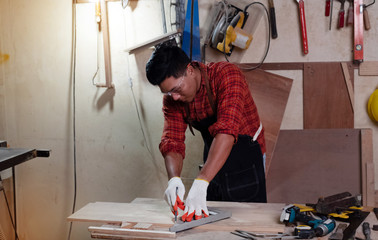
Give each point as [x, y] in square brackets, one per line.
[368, 68]
[326, 100]
[311, 163]
[270, 93]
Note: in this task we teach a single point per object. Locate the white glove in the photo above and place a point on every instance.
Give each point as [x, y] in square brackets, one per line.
[174, 199]
[196, 201]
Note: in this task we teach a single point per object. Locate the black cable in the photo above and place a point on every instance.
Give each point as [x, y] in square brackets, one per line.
[268, 43]
[368, 5]
[9, 211]
[73, 78]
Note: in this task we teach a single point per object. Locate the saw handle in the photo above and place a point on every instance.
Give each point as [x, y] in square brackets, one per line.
[303, 26]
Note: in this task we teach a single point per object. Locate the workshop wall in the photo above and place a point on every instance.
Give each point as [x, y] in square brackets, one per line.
[113, 134]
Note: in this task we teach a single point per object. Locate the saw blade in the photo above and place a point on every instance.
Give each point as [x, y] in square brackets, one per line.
[218, 33]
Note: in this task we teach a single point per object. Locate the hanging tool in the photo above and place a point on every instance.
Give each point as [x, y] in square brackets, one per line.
[273, 24]
[350, 13]
[358, 47]
[341, 14]
[330, 15]
[321, 227]
[191, 36]
[227, 30]
[327, 7]
[303, 25]
[366, 16]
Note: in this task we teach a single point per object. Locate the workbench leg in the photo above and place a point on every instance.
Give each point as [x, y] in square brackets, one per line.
[14, 202]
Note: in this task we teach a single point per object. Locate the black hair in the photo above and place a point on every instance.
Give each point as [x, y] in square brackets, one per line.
[166, 61]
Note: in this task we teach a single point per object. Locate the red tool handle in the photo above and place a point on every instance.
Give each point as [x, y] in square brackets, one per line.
[303, 26]
[341, 18]
[327, 7]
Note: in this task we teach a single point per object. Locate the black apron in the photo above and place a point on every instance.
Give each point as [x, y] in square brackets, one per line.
[242, 177]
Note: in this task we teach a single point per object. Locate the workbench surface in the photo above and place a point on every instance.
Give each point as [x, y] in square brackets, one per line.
[253, 217]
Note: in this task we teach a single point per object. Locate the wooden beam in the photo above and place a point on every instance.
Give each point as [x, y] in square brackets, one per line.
[105, 39]
[367, 168]
[348, 83]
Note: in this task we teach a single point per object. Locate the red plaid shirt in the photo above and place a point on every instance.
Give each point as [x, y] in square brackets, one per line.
[236, 111]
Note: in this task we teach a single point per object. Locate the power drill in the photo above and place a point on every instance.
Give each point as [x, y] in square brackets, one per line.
[321, 227]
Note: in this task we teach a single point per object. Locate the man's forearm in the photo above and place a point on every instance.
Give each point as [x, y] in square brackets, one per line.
[173, 164]
[219, 151]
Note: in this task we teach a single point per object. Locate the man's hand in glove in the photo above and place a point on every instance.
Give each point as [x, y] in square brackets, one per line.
[173, 198]
[195, 203]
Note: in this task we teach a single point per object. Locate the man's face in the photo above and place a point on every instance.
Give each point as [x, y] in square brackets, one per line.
[181, 88]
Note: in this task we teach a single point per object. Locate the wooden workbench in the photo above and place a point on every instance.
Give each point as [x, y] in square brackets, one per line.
[118, 220]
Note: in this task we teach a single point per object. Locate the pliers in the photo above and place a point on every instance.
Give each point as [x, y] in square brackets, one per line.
[260, 236]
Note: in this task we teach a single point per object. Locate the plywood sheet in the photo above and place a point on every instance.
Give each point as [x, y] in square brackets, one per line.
[311, 163]
[270, 92]
[326, 100]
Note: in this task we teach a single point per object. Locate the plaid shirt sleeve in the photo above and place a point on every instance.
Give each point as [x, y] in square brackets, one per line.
[231, 91]
[173, 137]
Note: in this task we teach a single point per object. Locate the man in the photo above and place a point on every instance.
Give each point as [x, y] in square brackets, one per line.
[215, 100]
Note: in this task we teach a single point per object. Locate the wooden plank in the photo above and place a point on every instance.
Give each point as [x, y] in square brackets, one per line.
[367, 167]
[246, 216]
[311, 163]
[348, 83]
[369, 68]
[270, 93]
[325, 97]
[116, 213]
[118, 231]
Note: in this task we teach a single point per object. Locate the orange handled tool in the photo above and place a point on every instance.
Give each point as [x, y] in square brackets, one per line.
[303, 25]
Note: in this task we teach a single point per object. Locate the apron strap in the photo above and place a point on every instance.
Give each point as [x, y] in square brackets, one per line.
[210, 95]
[257, 132]
[211, 101]
[187, 119]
